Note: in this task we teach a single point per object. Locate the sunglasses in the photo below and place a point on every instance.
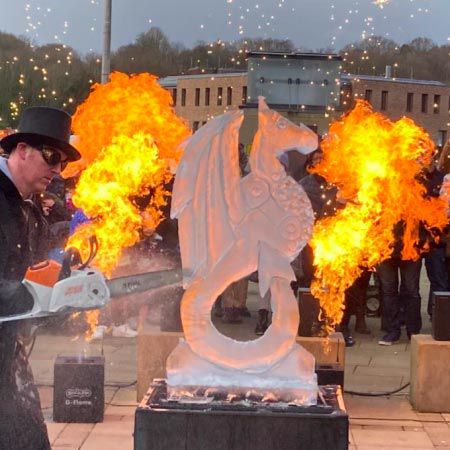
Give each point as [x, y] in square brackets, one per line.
[52, 156]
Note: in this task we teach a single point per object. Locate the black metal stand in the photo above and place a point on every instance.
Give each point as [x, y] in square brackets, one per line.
[240, 424]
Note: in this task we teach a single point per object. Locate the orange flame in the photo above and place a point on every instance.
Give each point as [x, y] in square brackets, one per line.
[128, 137]
[376, 163]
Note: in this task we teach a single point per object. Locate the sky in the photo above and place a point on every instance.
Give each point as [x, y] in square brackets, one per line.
[310, 24]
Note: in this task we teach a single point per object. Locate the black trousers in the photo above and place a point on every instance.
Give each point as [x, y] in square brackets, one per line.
[409, 271]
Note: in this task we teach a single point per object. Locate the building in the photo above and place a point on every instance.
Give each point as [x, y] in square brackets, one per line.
[308, 88]
[425, 102]
[198, 98]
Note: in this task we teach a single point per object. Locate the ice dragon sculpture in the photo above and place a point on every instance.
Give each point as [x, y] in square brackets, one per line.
[230, 227]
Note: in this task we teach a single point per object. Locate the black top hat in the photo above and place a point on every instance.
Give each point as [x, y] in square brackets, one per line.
[43, 125]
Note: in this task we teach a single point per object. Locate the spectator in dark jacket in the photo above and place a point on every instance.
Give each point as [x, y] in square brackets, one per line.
[435, 259]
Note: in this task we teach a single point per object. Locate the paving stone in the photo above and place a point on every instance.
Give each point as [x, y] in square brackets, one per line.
[379, 408]
[439, 436]
[65, 447]
[125, 395]
[386, 423]
[380, 359]
[74, 434]
[378, 447]
[109, 393]
[435, 417]
[120, 410]
[46, 396]
[373, 346]
[110, 436]
[356, 358]
[392, 439]
[372, 383]
[54, 430]
[378, 426]
[382, 371]
[107, 442]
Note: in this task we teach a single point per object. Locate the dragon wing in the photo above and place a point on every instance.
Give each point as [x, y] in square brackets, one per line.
[206, 194]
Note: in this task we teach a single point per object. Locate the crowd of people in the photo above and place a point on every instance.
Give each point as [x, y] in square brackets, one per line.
[397, 280]
[37, 217]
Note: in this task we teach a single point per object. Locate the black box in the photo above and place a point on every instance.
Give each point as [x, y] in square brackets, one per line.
[164, 425]
[441, 316]
[330, 374]
[78, 392]
[309, 309]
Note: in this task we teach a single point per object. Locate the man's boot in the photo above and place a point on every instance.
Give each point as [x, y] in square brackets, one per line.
[343, 327]
[263, 322]
[360, 313]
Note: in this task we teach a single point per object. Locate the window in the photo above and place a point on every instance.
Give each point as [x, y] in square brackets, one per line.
[207, 96]
[436, 104]
[409, 102]
[197, 96]
[219, 96]
[368, 95]
[442, 138]
[384, 100]
[174, 96]
[183, 97]
[425, 103]
[195, 126]
[244, 95]
[229, 95]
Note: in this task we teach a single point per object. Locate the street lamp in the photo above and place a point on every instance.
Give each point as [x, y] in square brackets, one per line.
[106, 56]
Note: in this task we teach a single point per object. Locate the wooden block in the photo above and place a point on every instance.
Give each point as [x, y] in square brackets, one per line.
[154, 346]
[430, 374]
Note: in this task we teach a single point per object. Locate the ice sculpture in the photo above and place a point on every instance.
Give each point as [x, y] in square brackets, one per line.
[229, 227]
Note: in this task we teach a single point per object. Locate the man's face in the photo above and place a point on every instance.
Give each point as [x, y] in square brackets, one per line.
[37, 173]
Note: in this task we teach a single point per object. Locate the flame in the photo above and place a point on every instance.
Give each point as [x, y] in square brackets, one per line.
[91, 318]
[376, 163]
[381, 3]
[128, 137]
[5, 132]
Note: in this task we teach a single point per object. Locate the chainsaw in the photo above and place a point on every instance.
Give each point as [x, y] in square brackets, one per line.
[75, 286]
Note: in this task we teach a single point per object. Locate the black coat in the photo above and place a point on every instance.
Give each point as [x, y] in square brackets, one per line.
[22, 425]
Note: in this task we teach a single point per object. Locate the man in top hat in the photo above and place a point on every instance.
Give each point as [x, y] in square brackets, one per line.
[38, 151]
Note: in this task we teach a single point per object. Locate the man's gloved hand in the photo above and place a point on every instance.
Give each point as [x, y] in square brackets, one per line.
[15, 298]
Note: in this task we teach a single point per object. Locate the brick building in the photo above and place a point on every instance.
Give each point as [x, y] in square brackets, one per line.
[426, 102]
[198, 98]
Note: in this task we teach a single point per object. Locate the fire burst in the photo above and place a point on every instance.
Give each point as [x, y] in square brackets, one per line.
[376, 164]
[129, 137]
[381, 3]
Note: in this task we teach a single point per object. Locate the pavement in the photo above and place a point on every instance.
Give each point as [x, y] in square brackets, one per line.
[386, 422]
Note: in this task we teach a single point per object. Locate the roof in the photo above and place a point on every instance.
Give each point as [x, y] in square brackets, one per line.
[350, 77]
[295, 55]
[171, 81]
